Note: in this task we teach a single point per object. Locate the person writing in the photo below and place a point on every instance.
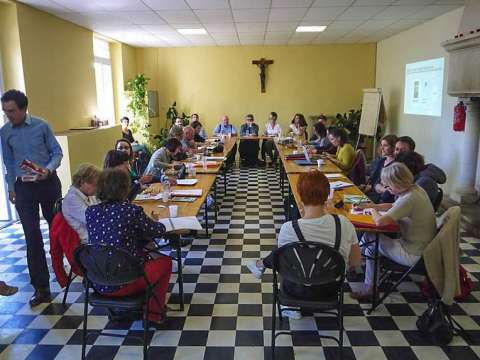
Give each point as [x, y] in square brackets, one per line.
[116, 222]
[79, 197]
[315, 225]
[413, 212]
[345, 155]
[31, 155]
[272, 129]
[200, 135]
[162, 159]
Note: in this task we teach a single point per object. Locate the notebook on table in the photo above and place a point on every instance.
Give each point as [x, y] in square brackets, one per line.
[307, 161]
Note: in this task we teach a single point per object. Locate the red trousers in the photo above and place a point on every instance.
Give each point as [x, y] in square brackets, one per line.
[156, 270]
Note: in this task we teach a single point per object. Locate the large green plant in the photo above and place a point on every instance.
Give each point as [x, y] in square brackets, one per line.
[137, 105]
[350, 122]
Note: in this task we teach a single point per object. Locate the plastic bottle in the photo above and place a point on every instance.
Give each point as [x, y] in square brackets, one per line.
[166, 191]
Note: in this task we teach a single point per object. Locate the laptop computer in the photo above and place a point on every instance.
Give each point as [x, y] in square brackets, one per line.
[307, 161]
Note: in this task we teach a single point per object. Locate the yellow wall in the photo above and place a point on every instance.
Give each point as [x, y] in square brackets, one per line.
[434, 135]
[11, 56]
[129, 63]
[213, 81]
[58, 68]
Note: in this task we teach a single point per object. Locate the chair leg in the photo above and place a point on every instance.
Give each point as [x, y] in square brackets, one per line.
[85, 317]
[67, 287]
[273, 327]
[180, 275]
[145, 325]
[393, 287]
[340, 325]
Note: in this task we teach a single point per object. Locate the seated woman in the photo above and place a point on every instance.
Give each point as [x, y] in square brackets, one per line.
[298, 128]
[272, 129]
[126, 132]
[120, 160]
[322, 119]
[374, 189]
[177, 133]
[316, 225]
[197, 126]
[248, 148]
[188, 142]
[321, 141]
[414, 214]
[345, 155]
[126, 147]
[163, 158]
[79, 197]
[196, 118]
[118, 223]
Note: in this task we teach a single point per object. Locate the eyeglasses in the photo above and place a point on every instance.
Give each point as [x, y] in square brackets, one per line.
[123, 148]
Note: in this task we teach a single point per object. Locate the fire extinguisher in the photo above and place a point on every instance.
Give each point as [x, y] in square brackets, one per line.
[459, 117]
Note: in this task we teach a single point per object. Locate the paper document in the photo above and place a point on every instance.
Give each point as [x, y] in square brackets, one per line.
[187, 181]
[337, 185]
[145, 197]
[181, 223]
[216, 158]
[365, 212]
[334, 176]
[187, 192]
[355, 199]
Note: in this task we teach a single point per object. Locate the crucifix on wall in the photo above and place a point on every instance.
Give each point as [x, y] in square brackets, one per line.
[262, 64]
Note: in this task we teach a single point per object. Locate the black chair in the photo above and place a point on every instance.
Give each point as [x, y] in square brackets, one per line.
[310, 264]
[109, 266]
[57, 207]
[438, 200]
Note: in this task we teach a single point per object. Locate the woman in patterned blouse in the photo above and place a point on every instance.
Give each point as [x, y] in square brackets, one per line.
[116, 222]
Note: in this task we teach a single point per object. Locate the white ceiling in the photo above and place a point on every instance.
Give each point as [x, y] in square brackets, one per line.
[152, 23]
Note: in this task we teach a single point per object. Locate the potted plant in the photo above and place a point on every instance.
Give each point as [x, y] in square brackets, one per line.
[350, 122]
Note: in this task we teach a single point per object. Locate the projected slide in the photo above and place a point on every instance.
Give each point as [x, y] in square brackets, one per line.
[423, 87]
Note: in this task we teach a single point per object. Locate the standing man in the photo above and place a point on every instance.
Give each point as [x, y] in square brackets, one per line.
[25, 137]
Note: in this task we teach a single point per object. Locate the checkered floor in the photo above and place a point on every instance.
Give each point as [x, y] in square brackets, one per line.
[227, 315]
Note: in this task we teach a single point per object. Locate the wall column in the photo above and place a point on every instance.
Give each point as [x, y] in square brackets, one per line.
[465, 191]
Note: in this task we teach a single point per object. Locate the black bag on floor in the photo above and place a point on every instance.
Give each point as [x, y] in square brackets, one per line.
[435, 324]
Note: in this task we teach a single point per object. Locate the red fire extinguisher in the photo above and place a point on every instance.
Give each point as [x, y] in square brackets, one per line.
[459, 117]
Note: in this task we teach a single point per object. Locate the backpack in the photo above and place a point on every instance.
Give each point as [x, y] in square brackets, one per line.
[435, 324]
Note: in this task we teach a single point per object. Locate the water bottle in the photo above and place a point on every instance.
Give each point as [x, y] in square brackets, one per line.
[204, 163]
[166, 190]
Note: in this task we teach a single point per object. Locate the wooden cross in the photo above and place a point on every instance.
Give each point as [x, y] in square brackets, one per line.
[262, 64]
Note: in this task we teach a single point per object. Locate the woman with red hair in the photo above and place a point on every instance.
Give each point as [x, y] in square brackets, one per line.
[315, 225]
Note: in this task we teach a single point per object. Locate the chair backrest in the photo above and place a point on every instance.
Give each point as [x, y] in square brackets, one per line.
[108, 266]
[359, 169]
[309, 263]
[438, 200]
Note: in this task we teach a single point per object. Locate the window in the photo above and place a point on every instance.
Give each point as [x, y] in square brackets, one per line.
[103, 79]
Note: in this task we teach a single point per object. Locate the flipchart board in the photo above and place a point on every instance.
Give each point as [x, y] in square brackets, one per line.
[372, 100]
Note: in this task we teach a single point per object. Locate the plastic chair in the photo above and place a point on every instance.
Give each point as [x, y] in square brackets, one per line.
[313, 265]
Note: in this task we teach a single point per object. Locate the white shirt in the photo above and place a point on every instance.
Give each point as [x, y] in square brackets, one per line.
[321, 230]
[273, 130]
[74, 205]
[294, 129]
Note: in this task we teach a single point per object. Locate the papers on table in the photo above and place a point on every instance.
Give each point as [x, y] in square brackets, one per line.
[187, 181]
[181, 223]
[334, 176]
[355, 199]
[209, 164]
[145, 197]
[338, 185]
[216, 158]
[187, 192]
[365, 212]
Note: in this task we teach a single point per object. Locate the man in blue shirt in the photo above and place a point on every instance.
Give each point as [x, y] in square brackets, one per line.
[225, 128]
[31, 155]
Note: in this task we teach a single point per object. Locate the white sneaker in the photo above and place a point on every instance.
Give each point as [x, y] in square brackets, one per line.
[291, 314]
[255, 270]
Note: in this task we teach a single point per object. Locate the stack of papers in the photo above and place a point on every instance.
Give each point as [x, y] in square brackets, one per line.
[337, 185]
[216, 158]
[186, 181]
[192, 192]
[365, 212]
[181, 223]
[209, 164]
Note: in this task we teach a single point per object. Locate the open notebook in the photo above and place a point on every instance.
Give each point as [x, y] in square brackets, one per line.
[181, 223]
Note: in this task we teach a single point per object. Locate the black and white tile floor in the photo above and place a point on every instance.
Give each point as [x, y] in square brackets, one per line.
[227, 315]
